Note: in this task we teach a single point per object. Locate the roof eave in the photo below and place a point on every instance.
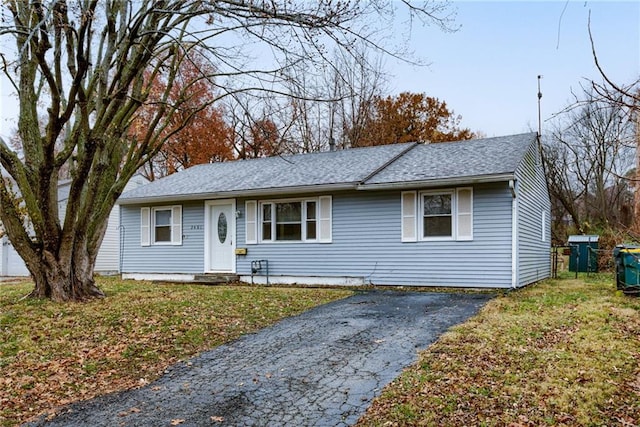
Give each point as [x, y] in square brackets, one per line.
[280, 191]
[438, 182]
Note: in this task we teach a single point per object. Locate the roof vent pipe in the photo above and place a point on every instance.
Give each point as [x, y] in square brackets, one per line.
[332, 144]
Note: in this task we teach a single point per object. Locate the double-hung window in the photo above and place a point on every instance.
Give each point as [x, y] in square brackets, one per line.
[161, 225]
[437, 215]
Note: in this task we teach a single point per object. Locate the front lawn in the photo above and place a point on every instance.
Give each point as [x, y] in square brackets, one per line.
[561, 352]
[52, 354]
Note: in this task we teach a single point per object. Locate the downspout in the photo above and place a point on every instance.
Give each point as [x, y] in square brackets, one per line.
[514, 235]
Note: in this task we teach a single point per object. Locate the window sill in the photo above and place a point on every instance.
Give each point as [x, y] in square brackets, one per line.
[283, 242]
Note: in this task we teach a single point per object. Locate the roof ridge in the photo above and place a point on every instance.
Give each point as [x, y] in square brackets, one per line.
[484, 139]
[288, 156]
[388, 162]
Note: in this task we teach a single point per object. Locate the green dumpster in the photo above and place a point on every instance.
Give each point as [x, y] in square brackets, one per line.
[627, 259]
[584, 255]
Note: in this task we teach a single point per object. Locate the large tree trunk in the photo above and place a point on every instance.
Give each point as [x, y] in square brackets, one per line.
[62, 268]
[61, 280]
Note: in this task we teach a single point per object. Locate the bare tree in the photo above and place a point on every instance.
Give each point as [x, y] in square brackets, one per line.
[319, 105]
[563, 189]
[588, 157]
[358, 81]
[85, 63]
[626, 97]
[206, 139]
[257, 128]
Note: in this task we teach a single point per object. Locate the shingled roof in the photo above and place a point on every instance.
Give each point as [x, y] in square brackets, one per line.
[340, 169]
[358, 168]
[474, 160]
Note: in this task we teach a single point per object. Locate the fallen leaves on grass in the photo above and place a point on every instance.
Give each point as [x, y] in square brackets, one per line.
[52, 354]
[562, 352]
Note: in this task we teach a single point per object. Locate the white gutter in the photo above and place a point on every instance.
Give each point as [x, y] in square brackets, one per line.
[514, 235]
[479, 179]
[438, 182]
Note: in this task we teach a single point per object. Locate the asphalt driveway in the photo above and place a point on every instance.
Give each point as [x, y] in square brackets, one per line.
[321, 368]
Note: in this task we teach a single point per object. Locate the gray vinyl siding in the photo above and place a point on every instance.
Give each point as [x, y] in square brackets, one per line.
[366, 244]
[108, 259]
[534, 261]
[185, 258]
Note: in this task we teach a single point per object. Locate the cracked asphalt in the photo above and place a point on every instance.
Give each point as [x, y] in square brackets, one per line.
[321, 368]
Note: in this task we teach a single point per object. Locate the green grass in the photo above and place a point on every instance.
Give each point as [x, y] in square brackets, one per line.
[561, 352]
[52, 354]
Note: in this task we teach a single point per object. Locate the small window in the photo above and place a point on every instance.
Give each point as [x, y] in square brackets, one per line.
[161, 226]
[437, 215]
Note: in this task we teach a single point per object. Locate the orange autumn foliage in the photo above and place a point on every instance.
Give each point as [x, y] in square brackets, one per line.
[196, 132]
[264, 140]
[410, 117]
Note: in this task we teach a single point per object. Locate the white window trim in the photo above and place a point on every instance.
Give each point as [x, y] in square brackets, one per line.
[320, 222]
[543, 236]
[414, 217]
[174, 225]
[420, 216]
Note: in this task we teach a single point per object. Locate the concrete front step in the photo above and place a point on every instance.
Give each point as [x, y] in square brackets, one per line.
[216, 279]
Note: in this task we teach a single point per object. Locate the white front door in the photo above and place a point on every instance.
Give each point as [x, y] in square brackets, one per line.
[221, 236]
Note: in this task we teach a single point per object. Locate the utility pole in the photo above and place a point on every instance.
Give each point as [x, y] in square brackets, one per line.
[636, 183]
[539, 113]
[540, 150]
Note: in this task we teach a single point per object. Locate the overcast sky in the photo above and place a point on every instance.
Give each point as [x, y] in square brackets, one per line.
[487, 71]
